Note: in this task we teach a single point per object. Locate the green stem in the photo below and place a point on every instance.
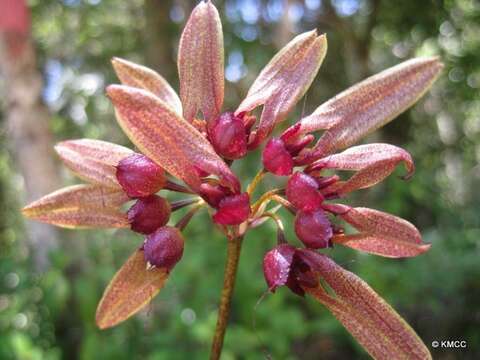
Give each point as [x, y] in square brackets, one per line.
[256, 180]
[231, 266]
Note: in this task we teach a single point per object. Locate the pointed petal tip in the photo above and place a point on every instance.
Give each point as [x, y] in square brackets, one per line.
[117, 62]
[322, 37]
[432, 62]
[58, 147]
[113, 89]
[313, 35]
[116, 91]
[425, 247]
[26, 211]
[102, 325]
[435, 62]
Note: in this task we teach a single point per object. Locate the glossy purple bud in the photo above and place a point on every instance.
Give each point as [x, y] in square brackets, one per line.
[276, 265]
[313, 228]
[148, 214]
[276, 159]
[302, 192]
[233, 210]
[139, 176]
[164, 247]
[228, 136]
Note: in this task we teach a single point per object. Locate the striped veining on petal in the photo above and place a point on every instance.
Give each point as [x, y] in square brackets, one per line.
[368, 105]
[132, 287]
[164, 136]
[201, 63]
[283, 81]
[373, 322]
[80, 206]
[93, 160]
[139, 76]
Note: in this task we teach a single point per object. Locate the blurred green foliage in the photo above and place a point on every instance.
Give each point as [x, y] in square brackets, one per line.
[51, 315]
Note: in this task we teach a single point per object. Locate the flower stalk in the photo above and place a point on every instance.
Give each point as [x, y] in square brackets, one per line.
[256, 180]
[231, 266]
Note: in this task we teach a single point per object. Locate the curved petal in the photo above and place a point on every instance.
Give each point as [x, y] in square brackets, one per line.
[139, 76]
[284, 81]
[371, 321]
[381, 233]
[369, 105]
[200, 63]
[374, 162]
[93, 160]
[377, 245]
[165, 137]
[132, 287]
[85, 217]
[80, 206]
[75, 196]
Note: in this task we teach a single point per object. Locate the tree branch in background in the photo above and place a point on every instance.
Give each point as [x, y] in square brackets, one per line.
[27, 120]
[357, 43]
[158, 35]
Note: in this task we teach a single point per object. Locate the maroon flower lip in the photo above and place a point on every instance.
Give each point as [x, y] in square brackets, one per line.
[189, 138]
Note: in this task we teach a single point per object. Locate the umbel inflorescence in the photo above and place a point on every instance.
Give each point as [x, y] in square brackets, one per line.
[191, 139]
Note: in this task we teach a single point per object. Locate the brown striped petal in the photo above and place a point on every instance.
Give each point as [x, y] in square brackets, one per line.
[165, 137]
[80, 206]
[139, 76]
[377, 245]
[369, 319]
[381, 233]
[373, 163]
[93, 160]
[132, 287]
[284, 81]
[369, 105]
[200, 63]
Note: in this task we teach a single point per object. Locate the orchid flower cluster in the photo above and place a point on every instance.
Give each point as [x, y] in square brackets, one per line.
[174, 141]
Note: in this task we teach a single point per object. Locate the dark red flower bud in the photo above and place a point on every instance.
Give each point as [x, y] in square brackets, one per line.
[213, 194]
[148, 214]
[228, 136]
[302, 192]
[164, 247]
[276, 265]
[233, 210]
[139, 176]
[276, 159]
[313, 228]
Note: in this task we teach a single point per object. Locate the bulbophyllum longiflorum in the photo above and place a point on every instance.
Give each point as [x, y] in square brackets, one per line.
[190, 138]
